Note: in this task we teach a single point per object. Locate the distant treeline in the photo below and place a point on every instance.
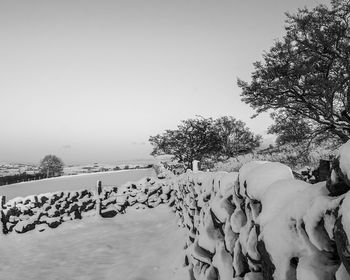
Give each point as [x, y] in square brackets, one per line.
[126, 167]
[23, 177]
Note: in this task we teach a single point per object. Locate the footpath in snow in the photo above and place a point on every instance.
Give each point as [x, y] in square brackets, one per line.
[139, 245]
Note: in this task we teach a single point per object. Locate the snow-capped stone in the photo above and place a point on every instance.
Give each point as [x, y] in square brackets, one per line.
[263, 176]
[244, 171]
[344, 159]
[222, 260]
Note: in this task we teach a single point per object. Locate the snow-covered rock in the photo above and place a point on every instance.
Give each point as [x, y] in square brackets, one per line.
[263, 175]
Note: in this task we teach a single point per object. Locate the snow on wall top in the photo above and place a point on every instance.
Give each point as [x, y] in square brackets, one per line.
[246, 169]
[344, 159]
[261, 176]
[277, 196]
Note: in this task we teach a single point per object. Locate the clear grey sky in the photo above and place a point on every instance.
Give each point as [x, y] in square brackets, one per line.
[90, 81]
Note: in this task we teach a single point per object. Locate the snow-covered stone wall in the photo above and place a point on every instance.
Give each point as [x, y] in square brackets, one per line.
[261, 223]
[52, 209]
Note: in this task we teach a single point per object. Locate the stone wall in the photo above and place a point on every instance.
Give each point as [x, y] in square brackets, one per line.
[39, 212]
[261, 223]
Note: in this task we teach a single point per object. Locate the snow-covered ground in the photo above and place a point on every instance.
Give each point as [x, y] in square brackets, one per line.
[74, 182]
[139, 245]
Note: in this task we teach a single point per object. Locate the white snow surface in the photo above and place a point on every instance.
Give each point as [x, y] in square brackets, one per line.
[245, 170]
[263, 175]
[344, 211]
[227, 183]
[74, 182]
[344, 159]
[138, 245]
[277, 196]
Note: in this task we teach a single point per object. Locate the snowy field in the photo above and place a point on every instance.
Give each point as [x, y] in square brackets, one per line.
[74, 182]
[139, 245]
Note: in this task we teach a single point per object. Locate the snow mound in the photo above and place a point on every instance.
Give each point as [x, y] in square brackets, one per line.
[263, 175]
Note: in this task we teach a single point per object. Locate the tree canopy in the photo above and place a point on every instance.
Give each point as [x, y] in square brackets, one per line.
[51, 165]
[290, 128]
[307, 74]
[205, 138]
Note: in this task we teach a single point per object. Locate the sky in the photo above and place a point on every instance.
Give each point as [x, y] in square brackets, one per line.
[90, 81]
